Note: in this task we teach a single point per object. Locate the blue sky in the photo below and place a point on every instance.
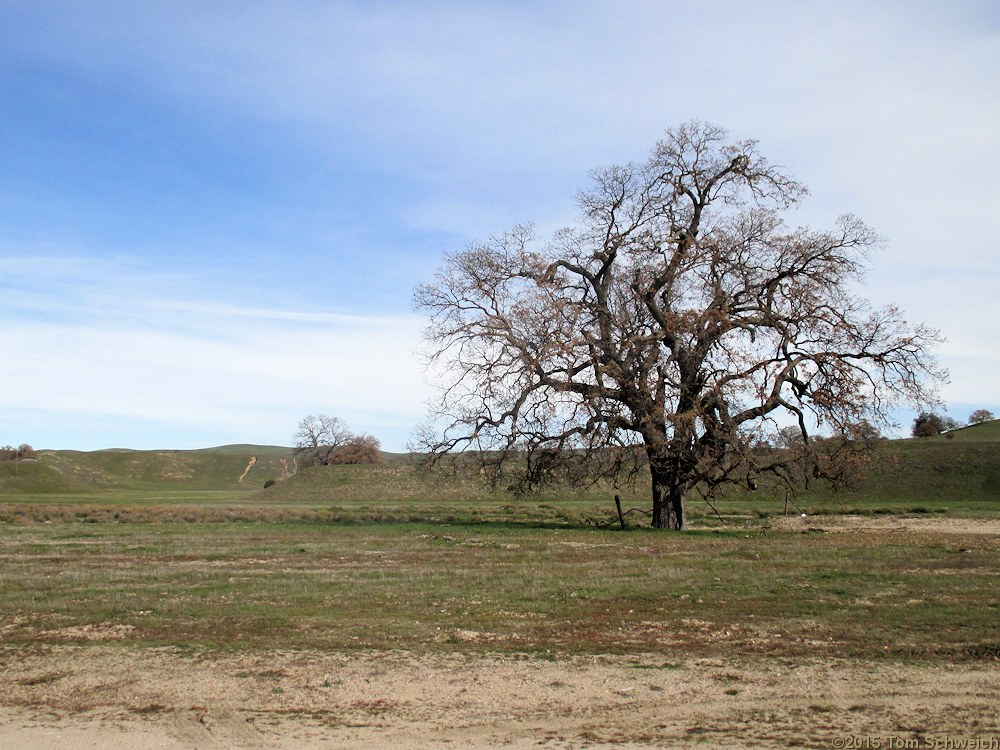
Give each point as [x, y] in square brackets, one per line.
[212, 214]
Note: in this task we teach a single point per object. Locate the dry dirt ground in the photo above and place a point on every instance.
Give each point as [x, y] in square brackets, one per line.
[106, 697]
[882, 524]
[116, 697]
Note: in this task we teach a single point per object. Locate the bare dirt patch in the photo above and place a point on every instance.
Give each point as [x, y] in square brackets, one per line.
[898, 524]
[108, 697]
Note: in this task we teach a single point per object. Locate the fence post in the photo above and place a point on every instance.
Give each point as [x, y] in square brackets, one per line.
[621, 518]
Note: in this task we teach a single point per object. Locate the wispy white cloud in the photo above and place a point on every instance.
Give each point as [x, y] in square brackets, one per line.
[121, 349]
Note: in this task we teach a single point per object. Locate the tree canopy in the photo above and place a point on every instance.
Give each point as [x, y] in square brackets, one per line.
[324, 440]
[678, 323]
[981, 415]
[930, 423]
[20, 453]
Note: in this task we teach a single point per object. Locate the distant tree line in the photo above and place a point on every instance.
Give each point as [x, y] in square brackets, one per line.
[929, 423]
[20, 453]
[323, 440]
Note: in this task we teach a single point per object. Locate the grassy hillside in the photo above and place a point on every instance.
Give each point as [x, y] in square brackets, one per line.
[937, 474]
[987, 432]
[926, 475]
[960, 473]
[67, 472]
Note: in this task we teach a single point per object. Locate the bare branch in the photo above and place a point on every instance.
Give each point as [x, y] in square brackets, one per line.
[663, 333]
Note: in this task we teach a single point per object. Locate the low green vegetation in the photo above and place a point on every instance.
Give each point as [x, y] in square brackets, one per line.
[170, 548]
[428, 587]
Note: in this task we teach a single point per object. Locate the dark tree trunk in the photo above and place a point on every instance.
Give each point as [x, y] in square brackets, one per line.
[668, 501]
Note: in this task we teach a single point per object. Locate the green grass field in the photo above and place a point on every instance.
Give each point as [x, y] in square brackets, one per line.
[429, 587]
[154, 548]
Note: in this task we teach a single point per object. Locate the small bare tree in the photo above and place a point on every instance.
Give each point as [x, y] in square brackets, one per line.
[323, 440]
[318, 438]
[667, 332]
[23, 452]
[981, 415]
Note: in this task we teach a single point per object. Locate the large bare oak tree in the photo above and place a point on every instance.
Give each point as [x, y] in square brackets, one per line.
[680, 321]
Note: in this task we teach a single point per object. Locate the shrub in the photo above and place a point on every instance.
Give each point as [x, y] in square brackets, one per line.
[360, 449]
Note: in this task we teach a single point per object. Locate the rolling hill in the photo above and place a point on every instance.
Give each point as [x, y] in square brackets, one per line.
[67, 472]
[911, 474]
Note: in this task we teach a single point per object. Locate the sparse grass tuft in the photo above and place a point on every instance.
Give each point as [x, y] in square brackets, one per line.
[42, 679]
